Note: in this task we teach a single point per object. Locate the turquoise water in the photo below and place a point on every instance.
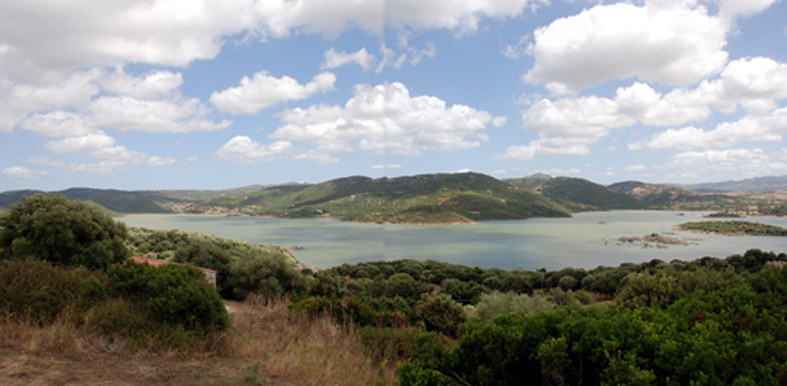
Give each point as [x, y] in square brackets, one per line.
[586, 240]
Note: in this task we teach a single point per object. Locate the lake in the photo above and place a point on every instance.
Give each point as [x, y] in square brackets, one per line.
[586, 240]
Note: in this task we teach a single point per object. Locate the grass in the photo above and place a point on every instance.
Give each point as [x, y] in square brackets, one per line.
[304, 350]
[264, 345]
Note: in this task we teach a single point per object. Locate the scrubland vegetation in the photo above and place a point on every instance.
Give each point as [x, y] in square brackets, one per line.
[735, 227]
[67, 288]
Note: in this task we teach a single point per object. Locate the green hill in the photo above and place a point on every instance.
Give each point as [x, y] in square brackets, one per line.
[431, 198]
[114, 200]
[588, 195]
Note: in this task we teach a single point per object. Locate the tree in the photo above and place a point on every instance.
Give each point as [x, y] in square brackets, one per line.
[52, 228]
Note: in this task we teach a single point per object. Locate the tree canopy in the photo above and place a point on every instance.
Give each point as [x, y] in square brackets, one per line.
[52, 228]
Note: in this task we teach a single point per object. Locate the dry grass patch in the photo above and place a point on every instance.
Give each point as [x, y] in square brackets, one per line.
[309, 351]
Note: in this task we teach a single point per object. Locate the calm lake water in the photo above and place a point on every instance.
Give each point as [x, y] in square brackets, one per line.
[586, 240]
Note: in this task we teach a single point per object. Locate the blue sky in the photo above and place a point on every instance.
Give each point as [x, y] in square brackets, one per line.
[187, 94]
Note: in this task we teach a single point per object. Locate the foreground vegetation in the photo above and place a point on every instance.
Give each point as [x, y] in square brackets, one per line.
[708, 321]
[735, 227]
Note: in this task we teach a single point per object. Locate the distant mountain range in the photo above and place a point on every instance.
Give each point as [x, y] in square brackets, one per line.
[433, 198]
[771, 184]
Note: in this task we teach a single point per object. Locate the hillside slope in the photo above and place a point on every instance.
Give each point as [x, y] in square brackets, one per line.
[430, 198]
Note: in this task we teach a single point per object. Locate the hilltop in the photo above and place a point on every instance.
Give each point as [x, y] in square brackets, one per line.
[423, 199]
[457, 198]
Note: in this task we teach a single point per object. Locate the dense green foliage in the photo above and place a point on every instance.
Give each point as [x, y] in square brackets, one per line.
[172, 294]
[438, 198]
[153, 308]
[709, 321]
[52, 228]
[241, 267]
[735, 227]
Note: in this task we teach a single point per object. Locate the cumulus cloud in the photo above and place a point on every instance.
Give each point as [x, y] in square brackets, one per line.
[730, 159]
[389, 166]
[21, 172]
[263, 90]
[462, 16]
[87, 143]
[242, 149]
[676, 45]
[767, 128]
[153, 86]
[361, 57]
[172, 115]
[633, 168]
[88, 33]
[567, 125]
[380, 119]
[384, 119]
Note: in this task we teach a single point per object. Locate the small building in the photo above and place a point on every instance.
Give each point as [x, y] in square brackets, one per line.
[776, 264]
[210, 275]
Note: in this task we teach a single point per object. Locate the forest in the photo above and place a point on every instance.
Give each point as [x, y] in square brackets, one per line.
[710, 321]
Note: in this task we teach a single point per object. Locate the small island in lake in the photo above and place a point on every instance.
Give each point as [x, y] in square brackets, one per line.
[734, 227]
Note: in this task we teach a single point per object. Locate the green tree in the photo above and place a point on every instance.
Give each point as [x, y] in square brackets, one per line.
[52, 228]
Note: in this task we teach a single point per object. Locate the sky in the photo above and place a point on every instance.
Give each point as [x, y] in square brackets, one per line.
[191, 94]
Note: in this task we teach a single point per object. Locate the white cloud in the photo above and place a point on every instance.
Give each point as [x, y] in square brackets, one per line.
[85, 33]
[384, 119]
[389, 166]
[754, 160]
[21, 172]
[59, 124]
[759, 128]
[462, 16]
[103, 167]
[633, 168]
[155, 85]
[263, 90]
[19, 100]
[242, 149]
[172, 116]
[361, 57]
[499, 121]
[568, 125]
[676, 45]
[86, 143]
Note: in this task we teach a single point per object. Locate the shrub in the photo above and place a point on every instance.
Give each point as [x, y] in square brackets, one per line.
[173, 294]
[52, 228]
[37, 292]
[261, 272]
[491, 305]
[440, 313]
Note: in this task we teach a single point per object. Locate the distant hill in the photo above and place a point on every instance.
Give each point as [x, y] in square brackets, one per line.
[768, 184]
[114, 200]
[205, 195]
[588, 195]
[429, 198]
[656, 196]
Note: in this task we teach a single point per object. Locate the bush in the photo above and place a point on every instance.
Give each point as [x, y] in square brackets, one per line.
[491, 305]
[440, 313]
[52, 228]
[173, 294]
[265, 273]
[37, 292]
